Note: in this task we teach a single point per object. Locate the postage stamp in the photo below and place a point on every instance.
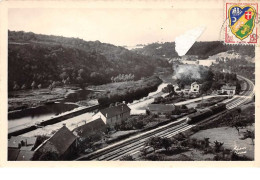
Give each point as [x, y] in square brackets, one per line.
[241, 23]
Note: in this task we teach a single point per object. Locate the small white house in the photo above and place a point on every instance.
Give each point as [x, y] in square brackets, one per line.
[195, 87]
[113, 115]
[230, 90]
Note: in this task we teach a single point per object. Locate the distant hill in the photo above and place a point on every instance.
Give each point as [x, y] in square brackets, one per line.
[35, 59]
[202, 49]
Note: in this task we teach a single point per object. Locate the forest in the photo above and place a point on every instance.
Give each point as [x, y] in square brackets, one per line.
[38, 61]
[201, 49]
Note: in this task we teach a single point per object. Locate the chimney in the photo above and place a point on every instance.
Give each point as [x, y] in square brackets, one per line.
[64, 124]
[106, 114]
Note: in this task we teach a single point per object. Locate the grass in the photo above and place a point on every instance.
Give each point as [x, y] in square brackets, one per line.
[230, 137]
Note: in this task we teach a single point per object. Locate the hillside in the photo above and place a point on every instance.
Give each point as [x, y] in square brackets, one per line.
[202, 49]
[43, 60]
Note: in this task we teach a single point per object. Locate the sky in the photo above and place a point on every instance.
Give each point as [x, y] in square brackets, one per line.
[117, 26]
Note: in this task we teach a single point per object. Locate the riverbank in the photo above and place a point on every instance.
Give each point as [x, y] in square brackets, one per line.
[18, 100]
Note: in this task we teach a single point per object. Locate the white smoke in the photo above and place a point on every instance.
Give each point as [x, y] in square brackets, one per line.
[187, 70]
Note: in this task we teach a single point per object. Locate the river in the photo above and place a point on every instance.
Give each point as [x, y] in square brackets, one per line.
[33, 115]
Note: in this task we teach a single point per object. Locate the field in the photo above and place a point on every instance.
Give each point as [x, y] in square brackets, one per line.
[230, 137]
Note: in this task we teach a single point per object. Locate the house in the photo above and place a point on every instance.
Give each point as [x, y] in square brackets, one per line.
[177, 88]
[25, 155]
[21, 148]
[230, 90]
[160, 108]
[195, 87]
[93, 129]
[13, 154]
[21, 142]
[20, 155]
[186, 89]
[113, 115]
[63, 143]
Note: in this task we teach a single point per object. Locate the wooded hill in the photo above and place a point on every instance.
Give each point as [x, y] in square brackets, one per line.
[202, 49]
[36, 60]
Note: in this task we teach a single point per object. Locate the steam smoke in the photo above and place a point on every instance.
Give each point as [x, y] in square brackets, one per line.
[187, 70]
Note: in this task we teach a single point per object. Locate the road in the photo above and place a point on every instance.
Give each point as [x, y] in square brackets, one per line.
[133, 145]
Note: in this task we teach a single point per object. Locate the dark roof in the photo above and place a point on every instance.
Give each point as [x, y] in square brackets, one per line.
[229, 87]
[62, 139]
[25, 155]
[161, 107]
[12, 154]
[93, 127]
[27, 148]
[187, 87]
[14, 141]
[115, 110]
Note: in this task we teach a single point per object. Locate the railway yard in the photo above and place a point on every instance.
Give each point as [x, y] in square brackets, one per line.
[133, 145]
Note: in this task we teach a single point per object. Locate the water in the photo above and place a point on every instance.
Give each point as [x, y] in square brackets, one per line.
[77, 96]
[33, 115]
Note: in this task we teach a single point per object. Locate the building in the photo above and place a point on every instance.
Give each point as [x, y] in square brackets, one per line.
[113, 115]
[177, 88]
[230, 90]
[21, 148]
[63, 143]
[21, 142]
[93, 129]
[160, 108]
[195, 87]
[13, 154]
[186, 89]
[25, 155]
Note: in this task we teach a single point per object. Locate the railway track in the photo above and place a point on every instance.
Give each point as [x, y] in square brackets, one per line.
[133, 145]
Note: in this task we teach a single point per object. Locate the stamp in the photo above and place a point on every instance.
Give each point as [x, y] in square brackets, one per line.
[241, 23]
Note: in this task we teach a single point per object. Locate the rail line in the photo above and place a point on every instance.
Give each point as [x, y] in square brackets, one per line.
[133, 145]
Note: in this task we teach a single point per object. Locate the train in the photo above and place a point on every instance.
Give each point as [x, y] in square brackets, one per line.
[200, 115]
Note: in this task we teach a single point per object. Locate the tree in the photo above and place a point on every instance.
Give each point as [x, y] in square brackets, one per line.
[16, 87]
[63, 75]
[217, 146]
[206, 142]
[33, 85]
[154, 142]
[205, 86]
[166, 143]
[127, 158]
[23, 87]
[49, 156]
[249, 134]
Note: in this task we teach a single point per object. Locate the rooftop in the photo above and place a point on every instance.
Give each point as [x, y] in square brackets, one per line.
[14, 141]
[187, 87]
[25, 155]
[13, 154]
[115, 110]
[62, 139]
[94, 126]
[161, 107]
[226, 87]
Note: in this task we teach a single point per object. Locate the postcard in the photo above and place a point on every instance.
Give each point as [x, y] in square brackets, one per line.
[129, 83]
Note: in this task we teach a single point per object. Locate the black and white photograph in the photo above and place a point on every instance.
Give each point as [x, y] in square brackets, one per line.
[173, 82]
